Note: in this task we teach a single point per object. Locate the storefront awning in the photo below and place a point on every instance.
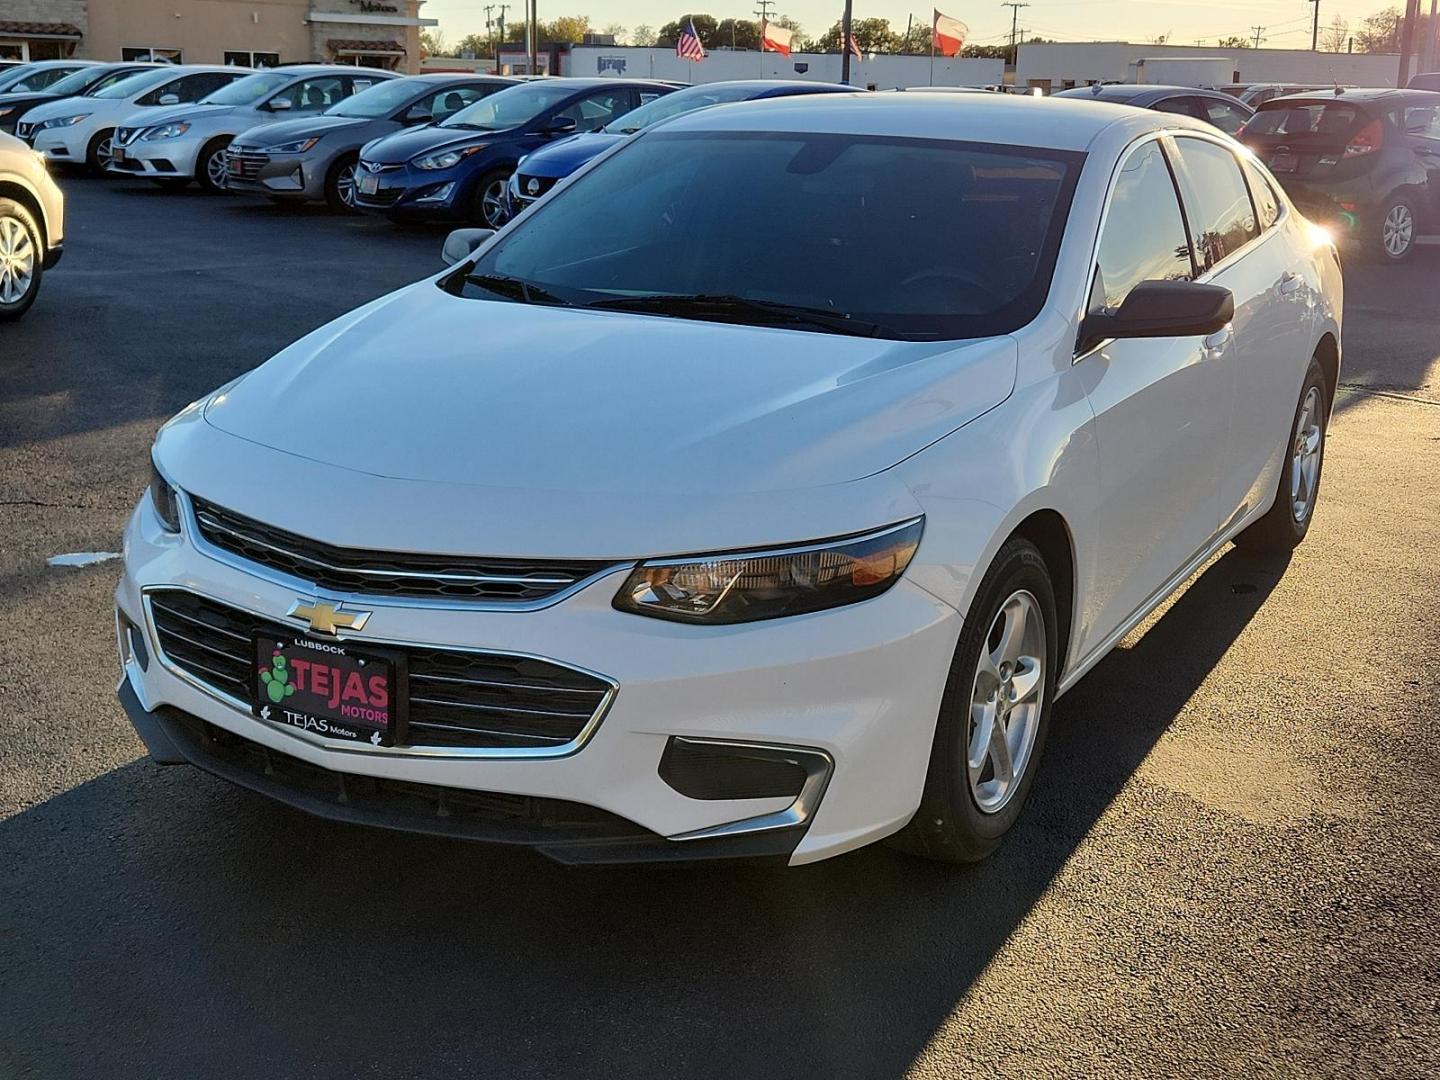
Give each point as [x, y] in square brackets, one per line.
[10, 28]
[360, 47]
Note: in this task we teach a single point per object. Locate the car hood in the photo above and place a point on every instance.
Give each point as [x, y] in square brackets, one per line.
[510, 395]
[165, 114]
[404, 145]
[304, 126]
[28, 99]
[562, 158]
[49, 109]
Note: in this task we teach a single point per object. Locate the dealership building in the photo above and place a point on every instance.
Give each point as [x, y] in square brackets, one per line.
[260, 33]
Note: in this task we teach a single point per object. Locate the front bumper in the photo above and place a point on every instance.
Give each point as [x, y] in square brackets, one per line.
[62, 145]
[251, 171]
[413, 193]
[857, 687]
[164, 159]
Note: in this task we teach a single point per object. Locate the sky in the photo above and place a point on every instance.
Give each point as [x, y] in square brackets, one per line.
[1287, 22]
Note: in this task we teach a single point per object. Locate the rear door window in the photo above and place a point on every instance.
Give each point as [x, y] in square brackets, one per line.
[1225, 116]
[1217, 202]
[1267, 203]
[1308, 120]
[1144, 235]
[1421, 120]
[1184, 105]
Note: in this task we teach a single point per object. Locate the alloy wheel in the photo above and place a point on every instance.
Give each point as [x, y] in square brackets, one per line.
[1305, 455]
[216, 169]
[1006, 699]
[17, 260]
[492, 204]
[345, 185]
[105, 152]
[1398, 231]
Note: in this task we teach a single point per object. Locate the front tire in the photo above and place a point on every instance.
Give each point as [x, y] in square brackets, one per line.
[210, 167]
[20, 260]
[994, 715]
[489, 210]
[340, 185]
[1287, 522]
[100, 152]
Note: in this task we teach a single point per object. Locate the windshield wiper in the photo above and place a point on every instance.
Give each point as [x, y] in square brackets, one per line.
[516, 289]
[771, 311]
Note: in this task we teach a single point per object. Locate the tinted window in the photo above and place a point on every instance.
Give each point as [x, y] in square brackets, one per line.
[1228, 118]
[447, 103]
[923, 238]
[248, 90]
[1319, 118]
[44, 79]
[1422, 120]
[594, 111]
[312, 95]
[511, 108]
[1267, 204]
[133, 84]
[105, 83]
[1144, 237]
[1185, 106]
[1222, 221]
[683, 101]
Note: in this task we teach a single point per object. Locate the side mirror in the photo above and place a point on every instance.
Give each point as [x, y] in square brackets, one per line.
[416, 114]
[1162, 309]
[282, 104]
[560, 125]
[169, 99]
[462, 243]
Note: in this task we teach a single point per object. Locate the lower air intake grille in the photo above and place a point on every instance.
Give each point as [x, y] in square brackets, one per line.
[457, 699]
[383, 573]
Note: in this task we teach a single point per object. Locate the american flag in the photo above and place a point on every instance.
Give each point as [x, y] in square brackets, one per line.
[689, 47]
[853, 46]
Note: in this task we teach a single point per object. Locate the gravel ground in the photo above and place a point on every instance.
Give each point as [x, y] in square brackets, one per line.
[1229, 866]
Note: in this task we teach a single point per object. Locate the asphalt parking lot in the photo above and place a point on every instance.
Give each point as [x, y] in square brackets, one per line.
[1230, 865]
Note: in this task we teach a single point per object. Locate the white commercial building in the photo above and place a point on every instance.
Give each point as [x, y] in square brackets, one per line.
[1057, 66]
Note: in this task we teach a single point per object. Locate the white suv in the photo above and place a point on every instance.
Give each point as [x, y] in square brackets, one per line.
[32, 226]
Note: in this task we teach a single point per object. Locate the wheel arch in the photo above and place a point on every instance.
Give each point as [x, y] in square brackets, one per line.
[21, 193]
[1327, 352]
[1048, 530]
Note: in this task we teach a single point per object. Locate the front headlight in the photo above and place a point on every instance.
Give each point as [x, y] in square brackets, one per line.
[746, 586]
[166, 131]
[65, 121]
[297, 146]
[163, 499]
[446, 159]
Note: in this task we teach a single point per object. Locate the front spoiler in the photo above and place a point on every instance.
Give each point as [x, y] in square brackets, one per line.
[173, 737]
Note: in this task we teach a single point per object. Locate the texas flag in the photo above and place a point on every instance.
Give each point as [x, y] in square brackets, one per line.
[948, 35]
[775, 38]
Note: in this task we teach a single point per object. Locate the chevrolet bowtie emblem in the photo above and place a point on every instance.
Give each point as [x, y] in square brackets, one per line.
[326, 618]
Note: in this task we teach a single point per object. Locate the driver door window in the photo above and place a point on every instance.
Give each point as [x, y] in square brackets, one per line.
[1144, 234]
[1228, 118]
[450, 101]
[312, 95]
[1185, 106]
[595, 111]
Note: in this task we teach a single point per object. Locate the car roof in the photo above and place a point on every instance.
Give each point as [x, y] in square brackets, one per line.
[1020, 120]
[585, 83]
[1139, 93]
[1364, 95]
[300, 70]
[460, 77]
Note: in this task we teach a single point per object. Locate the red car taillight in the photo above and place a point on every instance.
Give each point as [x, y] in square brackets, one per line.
[1365, 141]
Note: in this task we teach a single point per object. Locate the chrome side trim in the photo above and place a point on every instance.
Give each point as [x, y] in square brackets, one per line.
[574, 746]
[818, 766]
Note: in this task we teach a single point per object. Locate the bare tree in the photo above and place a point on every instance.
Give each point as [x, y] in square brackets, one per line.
[617, 31]
[1334, 36]
[643, 35]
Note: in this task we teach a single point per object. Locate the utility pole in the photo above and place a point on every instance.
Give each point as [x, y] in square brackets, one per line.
[1315, 28]
[845, 46]
[534, 33]
[1407, 40]
[909, 22]
[764, 12]
[1430, 39]
[1258, 31]
[1014, 6]
[500, 41]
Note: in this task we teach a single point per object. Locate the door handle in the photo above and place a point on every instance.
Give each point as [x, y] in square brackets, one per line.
[1290, 282]
[1217, 341]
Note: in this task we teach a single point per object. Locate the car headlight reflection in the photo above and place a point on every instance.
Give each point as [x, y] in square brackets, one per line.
[748, 586]
[446, 159]
[65, 121]
[166, 131]
[296, 146]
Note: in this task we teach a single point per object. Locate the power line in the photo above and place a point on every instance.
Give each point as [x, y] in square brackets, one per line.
[1014, 6]
[1259, 30]
[764, 12]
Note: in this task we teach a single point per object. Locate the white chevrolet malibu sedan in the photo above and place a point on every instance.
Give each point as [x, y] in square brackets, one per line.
[757, 493]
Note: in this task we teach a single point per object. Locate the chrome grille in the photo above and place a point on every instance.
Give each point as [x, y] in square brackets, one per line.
[456, 698]
[531, 188]
[245, 164]
[381, 573]
[377, 167]
[24, 131]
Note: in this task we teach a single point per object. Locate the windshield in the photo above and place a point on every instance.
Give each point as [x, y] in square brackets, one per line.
[682, 101]
[1320, 119]
[9, 78]
[510, 108]
[51, 80]
[382, 99]
[914, 238]
[136, 83]
[247, 90]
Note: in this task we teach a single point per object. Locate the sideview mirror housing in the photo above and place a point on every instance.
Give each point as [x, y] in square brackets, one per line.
[169, 99]
[461, 244]
[280, 105]
[560, 125]
[1162, 309]
[416, 114]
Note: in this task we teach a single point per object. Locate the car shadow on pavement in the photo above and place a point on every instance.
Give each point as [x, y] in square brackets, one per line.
[167, 924]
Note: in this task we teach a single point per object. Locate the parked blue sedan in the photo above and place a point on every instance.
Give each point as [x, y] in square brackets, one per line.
[458, 169]
[540, 171]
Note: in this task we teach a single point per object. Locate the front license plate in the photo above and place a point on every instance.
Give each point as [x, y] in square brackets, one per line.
[369, 185]
[1283, 163]
[329, 688]
[118, 153]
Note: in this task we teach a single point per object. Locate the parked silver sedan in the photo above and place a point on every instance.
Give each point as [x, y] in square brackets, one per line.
[314, 157]
[32, 226]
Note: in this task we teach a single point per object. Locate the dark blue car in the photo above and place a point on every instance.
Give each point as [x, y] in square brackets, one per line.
[541, 170]
[458, 169]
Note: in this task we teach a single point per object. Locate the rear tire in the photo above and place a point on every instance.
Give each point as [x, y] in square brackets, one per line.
[1396, 231]
[1287, 522]
[340, 185]
[1001, 682]
[100, 152]
[210, 166]
[21, 260]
